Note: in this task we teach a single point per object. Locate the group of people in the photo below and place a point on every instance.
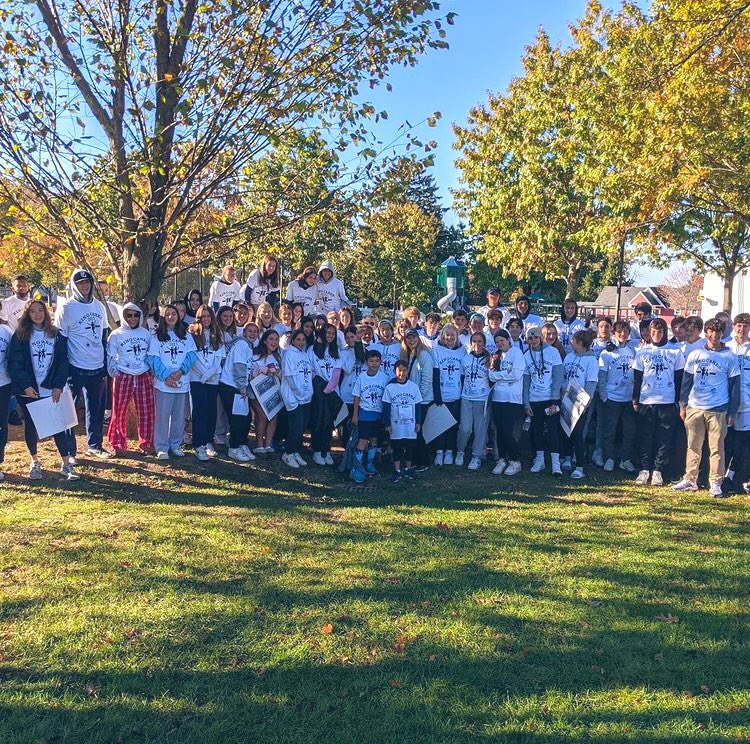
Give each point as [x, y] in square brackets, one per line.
[654, 394]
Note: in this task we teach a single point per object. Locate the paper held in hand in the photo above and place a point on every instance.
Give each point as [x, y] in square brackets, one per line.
[51, 418]
[240, 406]
[268, 394]
[437, 420]
[572, 407]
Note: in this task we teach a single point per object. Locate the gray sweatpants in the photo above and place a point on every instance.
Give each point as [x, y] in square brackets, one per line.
[169, 420]
[475, 419]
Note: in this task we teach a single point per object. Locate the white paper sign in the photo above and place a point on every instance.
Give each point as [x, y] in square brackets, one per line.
[341, 416]
[437, 420]
[240, 406]
[268, 393]
[51, 418]
[572, 407]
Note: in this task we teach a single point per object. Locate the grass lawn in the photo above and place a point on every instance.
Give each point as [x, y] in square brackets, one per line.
[218, 603]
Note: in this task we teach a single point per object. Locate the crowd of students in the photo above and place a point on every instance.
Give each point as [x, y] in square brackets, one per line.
[658, 395]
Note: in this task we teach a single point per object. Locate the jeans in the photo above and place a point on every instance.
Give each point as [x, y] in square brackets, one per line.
[297, 423]
[169, 420]
[204, 412]
[92, 384]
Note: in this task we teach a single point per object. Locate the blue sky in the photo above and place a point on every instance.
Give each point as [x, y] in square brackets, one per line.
[486, 46]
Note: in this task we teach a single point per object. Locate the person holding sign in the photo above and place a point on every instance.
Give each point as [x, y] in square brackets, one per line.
[402, 419]
[38, 368]
[267, 361]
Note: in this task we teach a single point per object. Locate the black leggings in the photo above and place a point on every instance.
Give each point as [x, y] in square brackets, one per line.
[447, 440]
[323, 412]
[239, 426]
[65, 441]
[540, 443]
[508, 418]
[403, 450]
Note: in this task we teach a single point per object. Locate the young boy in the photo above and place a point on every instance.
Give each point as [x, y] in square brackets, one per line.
[368, 409]
[402, 420]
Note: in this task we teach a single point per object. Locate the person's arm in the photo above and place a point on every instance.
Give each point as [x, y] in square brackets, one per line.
[157, 367]
[188, 362]
[602, 384]
[734, 396]
[334, 381]
[684, 390]
[112, 370]
[637, 384]
[526, 391]
[557, 383]
[426, 376]
[239, 376]
[436, 386]
[386, 415]
[355, 411]
[19, 372]
[342, 295]
[679, 376]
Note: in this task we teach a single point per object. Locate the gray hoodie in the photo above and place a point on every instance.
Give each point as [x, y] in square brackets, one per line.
[331, 294]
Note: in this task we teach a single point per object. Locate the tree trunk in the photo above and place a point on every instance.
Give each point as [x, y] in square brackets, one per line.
[729, 276]
[574, 276]
[143, 272]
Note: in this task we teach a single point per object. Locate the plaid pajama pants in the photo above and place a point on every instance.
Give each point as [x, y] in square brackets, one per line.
[141, 389]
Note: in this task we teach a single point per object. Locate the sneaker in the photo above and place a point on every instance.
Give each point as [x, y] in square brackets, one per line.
[14, 418]
[107, 415]
[410, 473]
[499, 467]
[357, 475]
[716, 491]
[609, 466]
[200, 453]
[396, 477]
[439, 458]
[656, 479]
[290, 460]
[210, 451]
[318, 459]
[221, 439]
[448, 458]
[577, 474]
[178, 452]
[643, 477]
[35, 471]
[685, 485]
[538, 464]
[475, 463]
[627, 466]
[300, 460]
[69, 472]
[597, 458]
[260, 450]
[329, 459]
[370, 468]
[746, 487]
[513, 468]
[555, 465]
[250, 456]
[99, 452]
[459, 461]
[238, 454]
[567, 463]
[162, 455]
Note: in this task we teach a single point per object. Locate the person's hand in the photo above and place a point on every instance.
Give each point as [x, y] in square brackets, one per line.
[529, 412]
[636, 406]
[56, 393]
[418, 428]
[388, 430]
[177, 375]
[553, 409]
[730, 421]
[30, 393]
[355, 420]
[683, 414]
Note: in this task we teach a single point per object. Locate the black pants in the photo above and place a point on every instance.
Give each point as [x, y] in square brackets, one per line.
[403, 450]
[4, 406]
[613, 412]
[204, 412]
[575, 444]
[421, 448]
[65, 441]
[447, 440]
[655, 429]
[508, 418]
[541, 421]
[323, 410]
[239, 426]
[92, 385]
[737, 454]
[297, 421]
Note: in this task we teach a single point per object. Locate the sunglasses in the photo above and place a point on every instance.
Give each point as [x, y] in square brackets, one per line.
[132, 315]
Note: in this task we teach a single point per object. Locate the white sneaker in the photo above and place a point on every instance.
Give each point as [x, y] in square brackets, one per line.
[210, 451]
[499, 467]
[270, 450]
[162, 455]
[567, 463]
[238, 454]
[260, 450]
[318, 459]
[643, 477]
[609, 466]
[200, 453]
[439, 458]
[627, 466]
[300, 460]
[577, 474]
[221, 439]
[178, 452]
[715, 489]
[448, 458]
[35, 470]
[685, 485]
[329, 459]
[656, 479]
[250, 456]
[513, 469]
[459, 461]
[290, 460]
[555, 466]
[475, 463]
[538, 464]
[597, 458]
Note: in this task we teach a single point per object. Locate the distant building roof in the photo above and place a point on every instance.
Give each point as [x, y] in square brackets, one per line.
[631, 296]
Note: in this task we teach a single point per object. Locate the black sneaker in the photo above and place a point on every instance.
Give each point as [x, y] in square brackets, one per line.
[396, 477]
[421, 468]
[99, 452]
[410, 473]
[14, 419]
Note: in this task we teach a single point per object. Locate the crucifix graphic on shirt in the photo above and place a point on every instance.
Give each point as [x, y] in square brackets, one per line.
[474, 373]
[705, 372]
[41, 355]
[327, 365]
[173, 352]
[207, 352]
[136, 348]
[373, 396]
[93, 326]
[659, 367]
[624, 366]
[451, 368]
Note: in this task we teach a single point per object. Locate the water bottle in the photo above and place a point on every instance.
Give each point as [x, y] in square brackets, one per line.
[527, 423]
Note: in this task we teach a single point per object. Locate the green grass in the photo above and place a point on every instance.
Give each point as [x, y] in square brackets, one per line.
[175, 604]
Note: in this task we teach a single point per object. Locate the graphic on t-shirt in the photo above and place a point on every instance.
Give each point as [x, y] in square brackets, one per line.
[92, 322]
[137, 347]
[623, 365]
[706, 369]
[327, 365]
[173, 352]
[207, 352]
[40, 355]
[657, 365]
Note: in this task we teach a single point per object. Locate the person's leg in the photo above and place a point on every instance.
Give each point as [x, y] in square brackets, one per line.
[481, 418]
[162, 410]
[202, 413]
[295, 429]
[123, 387]
[397, 445]
[408, 454]
[95, 399]
[716, 427]
[628, 418]
[465, 425]
[610, 412]
[455, 408]
[261, 424]
[645, 426]
[177, 420]
[144, 410]
[536, 431]
[696, 431]
[29, 430]
[501, 432]
[333, 404]
[317, 431]
[553, 432]
[513, 423]
[4, 407]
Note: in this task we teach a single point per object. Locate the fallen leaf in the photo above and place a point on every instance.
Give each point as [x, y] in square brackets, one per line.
[705, 689]
[400, 644]
[668, 618]
[394, 683]
[442, 526]
[594, 603]
[327, 629]
[432, 658]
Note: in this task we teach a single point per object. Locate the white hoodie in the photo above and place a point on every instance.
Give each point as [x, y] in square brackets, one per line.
[331, 294]
[127, 347]
[297, 377]
[208, 361]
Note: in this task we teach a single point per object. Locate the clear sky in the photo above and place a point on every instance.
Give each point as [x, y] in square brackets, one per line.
[486, 46]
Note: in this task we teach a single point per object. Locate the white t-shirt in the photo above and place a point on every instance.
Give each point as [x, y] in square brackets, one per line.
[530, 321]
[688, 347]
[448, 362]
[566, 330]
[369, 389]
[307, 296]
[404, 399]
[296, 366]
[323, 367]
[42, 353]
[172, 353]
[599, 345]
[508, 377]
[430, 343]
[711, 372]
[475, 371]
[5, 335]
[239, 353]
[742, 351]
[539, 365]
[127, 349]
[658, 364]
[259, 288]
[580, 369]
[351, 370]
[489, 341]
[618, 364]
[389, 355]
[12, 310]
[208, 362]
[222, 293]
[82, 324]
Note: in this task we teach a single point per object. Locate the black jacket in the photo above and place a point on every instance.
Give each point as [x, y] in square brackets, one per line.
[21, 368]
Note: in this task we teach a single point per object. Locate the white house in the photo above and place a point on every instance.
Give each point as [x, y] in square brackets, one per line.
[713, 295]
